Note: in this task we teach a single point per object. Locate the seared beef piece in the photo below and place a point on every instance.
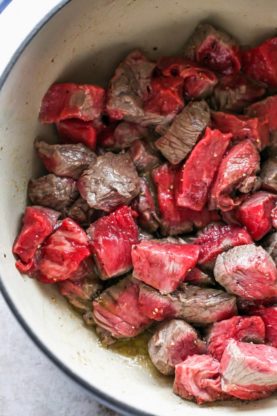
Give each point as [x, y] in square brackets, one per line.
[184, 132]
[270, 244]
[269, 174]
[130, 87]
[68, 100]
[144, 156]
[214, 49]
[111, 239]
[65, 159]
[110, 182]
[198, 379]
[173, 341]
[216, 238]
[265, 109]
[255, 214]
[117, 310]
[274, 217]
[104, 336]
[199, 306]
[80, 212]
[52, 191]
[37, 224]
[199, 82]
[145, 206]
[121, 136]
[260, 63]
[243, 127]
[233, 93]
[163, 265]
[269, 317]
[197, 277]
[239, 328]
[197, 173]
[247, 271]
[237, 173]
[77, 131]
[248, 371]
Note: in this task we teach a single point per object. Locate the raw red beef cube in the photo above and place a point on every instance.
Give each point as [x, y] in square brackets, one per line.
[63, 252]
[266, 109]
[198, 379]
[248, 272]
[77, 131]
[199, 82]
[255, 213]
[216, 238]
[237, 172]
[260, 63]
[173, 341]
[213, 48]
[240, 328]
[248, 371]
[269, 316]
[38, 223]
[199, 170]
[233, 93]
[163, 265]
[197, 277]
[117, 311]
[145, 206]
[243, 127]
[111, 239]
[64, 101]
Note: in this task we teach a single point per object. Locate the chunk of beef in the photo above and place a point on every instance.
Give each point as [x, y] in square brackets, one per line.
[198, 171]
[255, 214]
[240, 328]
[163, 265]
[80, 212]
[121, 136]
[248, 371]
[52, 191]
[217, 238]
[173, 341]
[145, 206]
[80, 293]
[199, 306]
[260, 63]
[184, 132]
[77, 131]
[247, 271]
[198, 83]
[233, 93]
[269, 174]
[62, 253]
[130, 87]
[237, 169]
[117, 311]
[143, 155]
[270, 244]
[110, 182]
[230, 217]
[68, 100]
[65, 159]
[274, 217]
[198, 379]
[243, 127]
[269, 317]
[37, 224]
[265, 109]
[213, 48]
[111, 239]
[199, 278]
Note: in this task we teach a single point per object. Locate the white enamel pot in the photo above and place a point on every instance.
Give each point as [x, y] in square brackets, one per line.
[82, 41]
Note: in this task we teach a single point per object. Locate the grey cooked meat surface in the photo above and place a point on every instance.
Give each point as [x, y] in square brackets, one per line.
[270, 245]
[80, 212]
[269, 174]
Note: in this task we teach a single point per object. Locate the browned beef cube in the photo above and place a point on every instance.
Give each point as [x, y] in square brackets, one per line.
[269, 174]
[144, 156]
[270, 244]
[80, 212]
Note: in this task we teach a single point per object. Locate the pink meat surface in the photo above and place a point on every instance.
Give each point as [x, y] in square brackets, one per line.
[66, 101]
[266, 109]
[248, 371]
[240, 328]
[241, 163]
[255, 214]
[77, 131]
[198, 379]
[199, 170]
[111, 239]
[269, 316]
[199, 278]
[163, 265]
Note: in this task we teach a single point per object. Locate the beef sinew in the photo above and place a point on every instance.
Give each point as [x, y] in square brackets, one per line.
[247, 271]
[110, 182]
[172, 342]
[184, 132]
